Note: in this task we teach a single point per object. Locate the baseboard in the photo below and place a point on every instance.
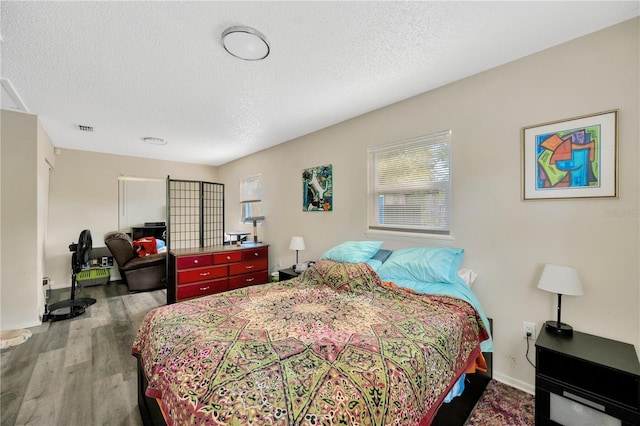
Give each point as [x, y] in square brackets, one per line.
[514, 383]
[22, 325]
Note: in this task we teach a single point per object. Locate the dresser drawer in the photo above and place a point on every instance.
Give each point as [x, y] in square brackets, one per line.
[201, 274]
[202, 288]
[185, 262]
[240, 281]
[259, 253]
[247, 267]
[227, 257]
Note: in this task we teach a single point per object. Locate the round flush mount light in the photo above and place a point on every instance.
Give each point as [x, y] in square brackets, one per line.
[154, 141]
[245, 43]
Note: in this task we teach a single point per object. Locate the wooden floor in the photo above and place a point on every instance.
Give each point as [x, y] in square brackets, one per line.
[78, 371]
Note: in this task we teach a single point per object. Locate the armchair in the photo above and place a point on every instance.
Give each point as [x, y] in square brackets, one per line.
[139, 273]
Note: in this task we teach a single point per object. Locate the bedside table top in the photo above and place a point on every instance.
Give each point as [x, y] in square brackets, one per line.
[599, 350]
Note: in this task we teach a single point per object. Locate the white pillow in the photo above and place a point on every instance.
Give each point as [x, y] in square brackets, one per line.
[467, 275]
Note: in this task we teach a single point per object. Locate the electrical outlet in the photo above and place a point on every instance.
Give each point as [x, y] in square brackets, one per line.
[528, 330]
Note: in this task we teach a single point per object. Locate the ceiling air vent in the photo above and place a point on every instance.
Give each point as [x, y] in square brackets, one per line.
[83, 128]
[154, 141]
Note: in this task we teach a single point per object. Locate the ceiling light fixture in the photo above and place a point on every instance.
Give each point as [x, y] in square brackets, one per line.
[154, 141]
[245, 43]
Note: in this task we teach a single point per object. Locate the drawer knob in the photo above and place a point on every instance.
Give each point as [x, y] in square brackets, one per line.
[249, 279]
[204, 288]
[249, 266]
[228, 257]
[255, 254]
[195, 260]
[204, 274]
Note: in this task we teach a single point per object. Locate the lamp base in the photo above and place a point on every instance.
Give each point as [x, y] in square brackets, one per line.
[559, 329]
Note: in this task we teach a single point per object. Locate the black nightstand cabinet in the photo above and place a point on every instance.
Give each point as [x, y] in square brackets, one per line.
[591, 371]
[287, 274]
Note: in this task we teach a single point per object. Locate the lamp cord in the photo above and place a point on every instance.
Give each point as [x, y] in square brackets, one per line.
[527, 353]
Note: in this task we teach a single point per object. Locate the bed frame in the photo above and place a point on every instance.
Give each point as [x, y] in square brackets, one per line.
[458, 410]
[149, 409]
[454, 413]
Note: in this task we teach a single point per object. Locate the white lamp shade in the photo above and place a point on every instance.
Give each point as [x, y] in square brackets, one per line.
[561, 280]
[297, 243]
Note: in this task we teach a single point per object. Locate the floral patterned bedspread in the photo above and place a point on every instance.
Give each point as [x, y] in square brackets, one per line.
[335, 345]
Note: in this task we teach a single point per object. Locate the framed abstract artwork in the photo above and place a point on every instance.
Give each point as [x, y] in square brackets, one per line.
[317, 189]
[573, 158]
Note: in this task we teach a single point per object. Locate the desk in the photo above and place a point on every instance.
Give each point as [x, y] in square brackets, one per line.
[239, 236]
[157, 231]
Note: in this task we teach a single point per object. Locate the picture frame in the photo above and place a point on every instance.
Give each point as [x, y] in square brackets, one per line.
[572, 158]
[317, 189]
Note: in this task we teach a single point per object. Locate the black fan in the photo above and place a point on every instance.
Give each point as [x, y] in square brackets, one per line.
[73, 307]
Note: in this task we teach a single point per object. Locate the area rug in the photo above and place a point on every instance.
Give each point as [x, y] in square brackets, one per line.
[502, 405]
[10, 338]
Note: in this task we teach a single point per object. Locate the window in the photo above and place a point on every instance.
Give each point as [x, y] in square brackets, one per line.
[251, 197]
[410, 185]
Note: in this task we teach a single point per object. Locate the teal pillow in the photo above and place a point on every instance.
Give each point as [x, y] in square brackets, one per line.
[430, 264]
[353, 251]
[379, 258]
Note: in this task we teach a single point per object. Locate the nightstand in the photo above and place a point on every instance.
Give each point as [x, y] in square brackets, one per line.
[287, 274]
[586, 379]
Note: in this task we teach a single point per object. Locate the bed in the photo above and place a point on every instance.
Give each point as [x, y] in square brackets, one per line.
[351, 340]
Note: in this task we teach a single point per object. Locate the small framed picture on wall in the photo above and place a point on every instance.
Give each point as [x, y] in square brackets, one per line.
[317, 189]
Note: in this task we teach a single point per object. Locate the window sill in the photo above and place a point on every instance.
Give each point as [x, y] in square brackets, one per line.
[406, 236]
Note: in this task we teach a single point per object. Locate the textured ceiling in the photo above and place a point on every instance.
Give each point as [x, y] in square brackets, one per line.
[137, 69]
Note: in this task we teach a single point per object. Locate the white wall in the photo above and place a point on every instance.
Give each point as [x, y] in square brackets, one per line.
[27, 154]
[506, 240]
[140, 201]
[84, 195]
[46, 163]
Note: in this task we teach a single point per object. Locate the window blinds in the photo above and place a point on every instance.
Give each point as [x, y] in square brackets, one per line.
[251, 197]
[410, 185]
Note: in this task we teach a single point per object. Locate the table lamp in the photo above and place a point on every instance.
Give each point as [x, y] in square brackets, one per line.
[297, 243]
[255, 220]
[560, 280]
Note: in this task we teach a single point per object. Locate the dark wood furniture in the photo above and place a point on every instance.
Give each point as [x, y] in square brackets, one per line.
[156, 231]
[287, 274]
[586, 375]
[456, 412]
[197, 272]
